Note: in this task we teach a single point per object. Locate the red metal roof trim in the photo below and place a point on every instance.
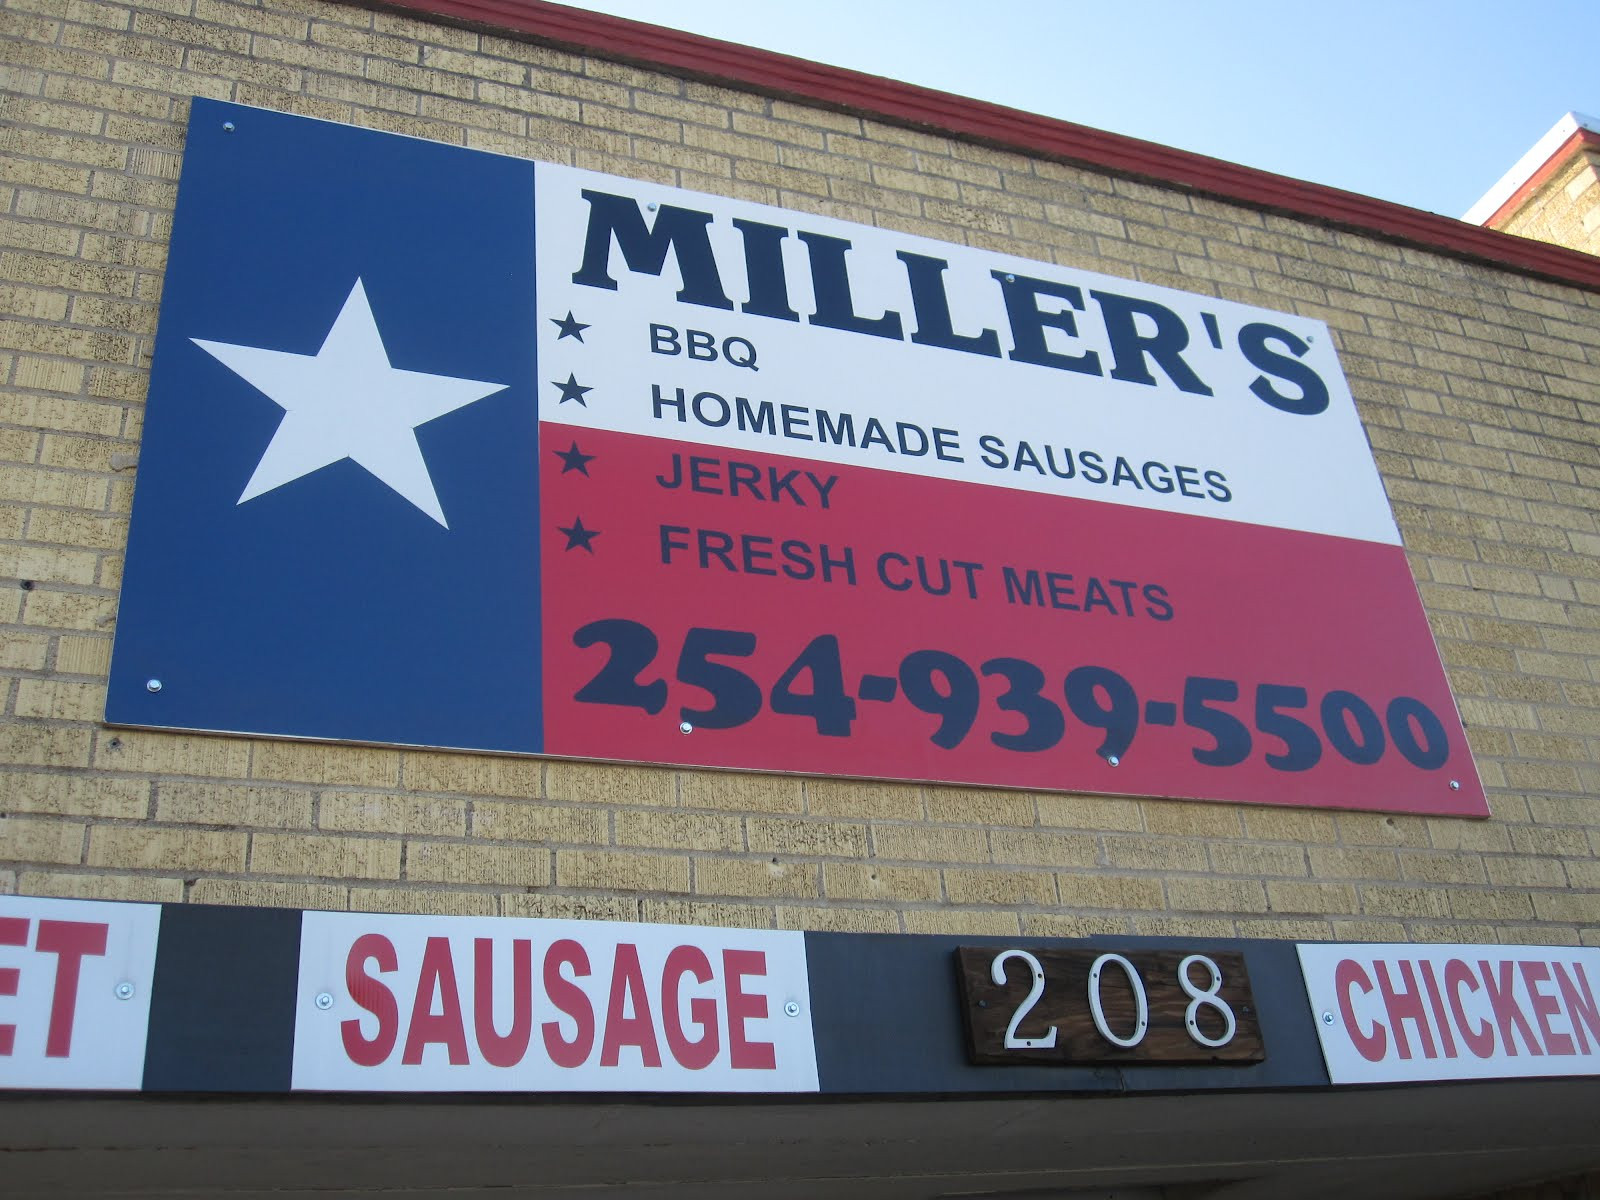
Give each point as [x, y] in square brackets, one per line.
[1028, 133]
[1552, 165]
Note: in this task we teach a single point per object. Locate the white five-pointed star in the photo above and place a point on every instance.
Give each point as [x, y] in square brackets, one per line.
[346, 401]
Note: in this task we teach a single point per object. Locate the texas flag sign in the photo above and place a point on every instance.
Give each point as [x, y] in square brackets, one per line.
[336, 525]
[457, 450]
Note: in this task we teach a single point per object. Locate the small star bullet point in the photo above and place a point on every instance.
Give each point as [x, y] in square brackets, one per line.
[574, 460]
[569, 326]
[579, 538]
[572, 390]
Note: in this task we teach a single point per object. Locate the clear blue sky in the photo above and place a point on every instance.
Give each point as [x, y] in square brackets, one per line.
[1422, 102]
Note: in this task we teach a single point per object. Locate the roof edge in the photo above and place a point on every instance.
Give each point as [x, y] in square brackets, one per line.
[1552, 167]
[905, 104]
[1536, 162]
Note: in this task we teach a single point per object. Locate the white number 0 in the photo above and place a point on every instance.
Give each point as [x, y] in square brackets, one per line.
[997, 972]
[1141, 1015]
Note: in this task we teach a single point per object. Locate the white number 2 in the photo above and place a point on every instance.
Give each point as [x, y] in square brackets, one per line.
[997, 972]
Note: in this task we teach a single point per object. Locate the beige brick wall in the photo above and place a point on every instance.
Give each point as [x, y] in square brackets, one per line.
[1478, 387]
[1566, 210]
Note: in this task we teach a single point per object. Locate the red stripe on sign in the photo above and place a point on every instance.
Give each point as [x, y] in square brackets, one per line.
[808, 617]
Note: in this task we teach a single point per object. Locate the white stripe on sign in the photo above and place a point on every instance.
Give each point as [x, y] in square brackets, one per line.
[1397, 1013]
[75, 979]
[444, 1004]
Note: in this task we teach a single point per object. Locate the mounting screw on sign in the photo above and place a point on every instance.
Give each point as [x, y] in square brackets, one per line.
[227, 127]
[685, 727]
[792, 1008]
[152, 685]
[1113, 760]
[1327, 1018]
[124, 990]
[1455, 785]
[324, 1001]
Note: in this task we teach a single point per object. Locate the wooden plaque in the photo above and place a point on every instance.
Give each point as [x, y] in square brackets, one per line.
[1083, 1006]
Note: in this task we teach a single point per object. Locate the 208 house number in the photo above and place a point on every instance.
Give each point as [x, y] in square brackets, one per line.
[1047, 1005]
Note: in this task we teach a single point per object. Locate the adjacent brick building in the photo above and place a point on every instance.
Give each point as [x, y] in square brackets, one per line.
[1550, 194]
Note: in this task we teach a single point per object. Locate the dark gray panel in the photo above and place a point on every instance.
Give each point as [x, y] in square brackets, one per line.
[222, 1004]
[887, 1017]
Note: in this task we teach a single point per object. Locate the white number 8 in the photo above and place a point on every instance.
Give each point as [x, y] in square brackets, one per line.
[1209, 998]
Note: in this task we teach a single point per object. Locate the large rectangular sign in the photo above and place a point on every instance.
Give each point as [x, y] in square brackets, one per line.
[75, 983]
[451, 449]
[469, 1004]
[1401, 1013]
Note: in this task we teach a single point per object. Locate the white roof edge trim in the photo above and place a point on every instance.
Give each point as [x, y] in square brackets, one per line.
[1528, 164]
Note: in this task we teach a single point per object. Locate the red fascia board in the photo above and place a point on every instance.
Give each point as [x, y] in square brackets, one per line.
[1027, 133]
[1555, 163]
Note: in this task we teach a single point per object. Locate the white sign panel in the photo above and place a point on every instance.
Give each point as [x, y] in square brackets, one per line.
[760, 329]
[75, 980]
[467, 1004]
[1399, 1013]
